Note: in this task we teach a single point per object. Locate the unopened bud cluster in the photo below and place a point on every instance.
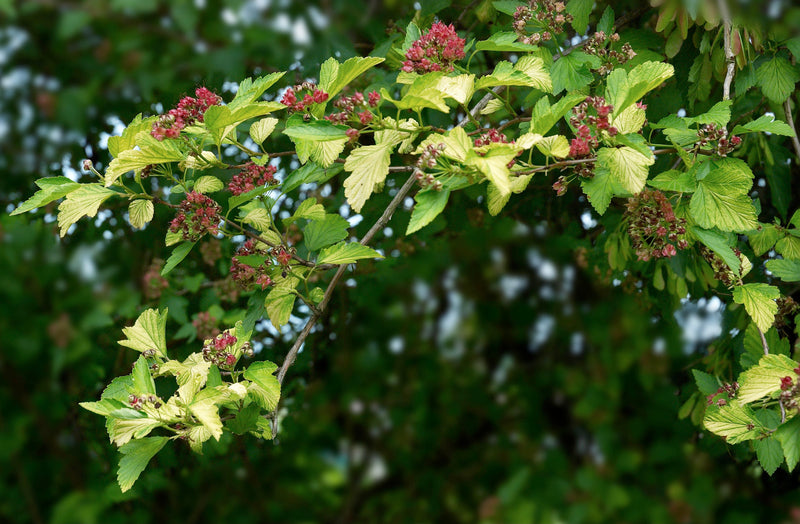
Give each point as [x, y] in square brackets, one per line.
[355, 108]
[491, 136]
[196, 216]
[729, 390]
[548, 16]
[205, 325]
[609, 58]
[427, 160]
[295, 103]
[219, 350]
[188, 111]
[722, 272]
[717, 138]
[247, 276]
[589, 119]
[654, 229]
[787, 309]
[250, 177]
[790, 390]
[153, 284]
[436, 50]
[138, 402]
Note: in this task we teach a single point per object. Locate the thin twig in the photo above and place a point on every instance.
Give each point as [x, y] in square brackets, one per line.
[787, 108]
[783, 411]
[379, 224]
[729, 57]
[763, 340]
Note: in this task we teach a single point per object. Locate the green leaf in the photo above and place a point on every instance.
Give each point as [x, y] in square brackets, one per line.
[178, 254]
[789, 248]
[428, 206]
[555, 146]
[346, 253]
[624, 89]
[122, 430]
[280, 303]
[707, 384]
[788, 434]
[627, 166]
[142, 379]
[759, 301]
[236, 201]
[148, 332]
[316, 131]
[719, 114]
[84, 201]
[765, 378]
[503, 41]
[260, 130]
[769, 453]
[735, 422]
[221, 120]
[496, 202]
[674, 180]
[422, 93]
[606, 23]
[545, 116]
[308, 209]
[580, 11]
[600, 189]
[135, 456]
[494, 165]
[245, 419]
[720, 243]
[460, 88]
[208, 184]
[104, 407]
[268, 390]
[777, 78]
[259, 218]
[51, 189]
[722, 200]
[118, 144]
[140, 212]
[150, 151]
[251, 90]
[528, 71]
[786, 270]
[765, 124]
[369, 166]
[119, 389]
[346, 73]
[310, 173]
[763, 238]
[571, 72]
[207, 413]
[325, 232]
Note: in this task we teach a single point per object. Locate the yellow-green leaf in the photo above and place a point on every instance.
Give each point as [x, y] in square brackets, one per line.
[369, 166]
[759, 301]
[148, 332]
[627, 166]
[84, 201]
[554, 146]
[764, 378]
[260, 130]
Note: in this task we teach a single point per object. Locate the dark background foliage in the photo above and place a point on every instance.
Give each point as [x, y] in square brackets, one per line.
[494, 371]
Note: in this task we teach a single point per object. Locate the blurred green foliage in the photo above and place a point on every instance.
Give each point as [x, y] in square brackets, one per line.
[492, 373]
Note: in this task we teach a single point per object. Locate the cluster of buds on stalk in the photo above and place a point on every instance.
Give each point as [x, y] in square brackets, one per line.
[790, 390]
[547, 16]
[436, 50]
[427, 160]
[654, 229]
[250, 177]
[246, 275]
[219, 350]
[729, 390]
[138, 402]
[196, 216]
[609, 58]
[722, 272]
[355, 108]
[787, 309]
[717, 138]
[295, 103]
[188, 111]
[205, 325]
[491, 136]
[153, 284]
[589, 128]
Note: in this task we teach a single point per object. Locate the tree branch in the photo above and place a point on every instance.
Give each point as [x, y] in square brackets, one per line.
[729, 58]
[787, 109]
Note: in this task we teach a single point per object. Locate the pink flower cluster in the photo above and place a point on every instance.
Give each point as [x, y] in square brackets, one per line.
[548, 16]
[492, 136]
[153, 283]
[196, 216]
[588, 128]
[206, 325]
[294, 103]
[710, 133]
[188, 111]
[729, 390]
[250, 177]
[218, 350]
[355, 108]
[245, 275]
[436, 50]
[654, 229]
[790, 390]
